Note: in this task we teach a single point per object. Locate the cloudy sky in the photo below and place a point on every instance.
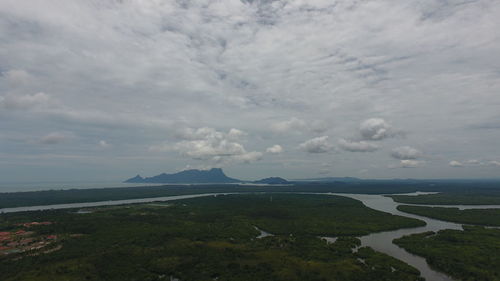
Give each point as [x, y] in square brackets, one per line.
[103, 90]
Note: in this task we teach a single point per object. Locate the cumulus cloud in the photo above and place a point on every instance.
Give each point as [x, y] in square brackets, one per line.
[405, 153]
[235, 134]
[407, 163]
[247, 157]
[455, 163]
[275, 149]
[209, 144]
[375, 129]
[54, 138]
[288, 126]
[316, 145]
[357, 146]
[410, 163]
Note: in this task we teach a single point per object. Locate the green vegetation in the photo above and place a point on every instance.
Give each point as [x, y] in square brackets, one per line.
[212, 238]
[471, 254]
[492, 197]
[489, 217]
[48, 197]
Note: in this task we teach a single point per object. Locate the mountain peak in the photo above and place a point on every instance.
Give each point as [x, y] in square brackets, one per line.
[214, 175]
[135, 179]
[272, 180]
[216, 171]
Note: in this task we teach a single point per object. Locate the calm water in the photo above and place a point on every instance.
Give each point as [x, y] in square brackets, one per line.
[105, 203]
[38, 186]
[381, 241]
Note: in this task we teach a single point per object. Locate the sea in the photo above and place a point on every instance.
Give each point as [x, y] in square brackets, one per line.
[38, 186]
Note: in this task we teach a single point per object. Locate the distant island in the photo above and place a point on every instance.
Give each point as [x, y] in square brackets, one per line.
[272, 180]
[214, 175]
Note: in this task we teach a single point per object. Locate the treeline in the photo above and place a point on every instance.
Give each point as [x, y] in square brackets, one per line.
[212, 238]
[464, 197]
[471, 254]
[490, 217]
[34, 198]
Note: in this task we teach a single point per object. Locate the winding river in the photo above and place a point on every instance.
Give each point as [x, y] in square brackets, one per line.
[380, 241]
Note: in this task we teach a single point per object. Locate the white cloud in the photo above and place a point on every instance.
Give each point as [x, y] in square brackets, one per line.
[455, 163]
[247, 157]
[316, 145]
[235, 134]
[407, 163]
[410, 163]
[375, 129]
[495, 163]
[275, 149]
[209, 144]
[54, 138]
[474, 162]
[357, 146]
[289, 126]
[405, 153]
[209, 147]
[218, 64]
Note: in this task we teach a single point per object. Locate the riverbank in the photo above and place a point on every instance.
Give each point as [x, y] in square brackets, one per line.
[215, 237]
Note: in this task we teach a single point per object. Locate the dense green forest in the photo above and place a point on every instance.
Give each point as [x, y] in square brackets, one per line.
[468, 197]
[472, 254]
[489, 217]
[211, 238]
[48, 197]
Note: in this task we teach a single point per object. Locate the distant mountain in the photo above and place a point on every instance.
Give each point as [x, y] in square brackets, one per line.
[137, 178]
[332, 179]
[214, 175]
[272, 180]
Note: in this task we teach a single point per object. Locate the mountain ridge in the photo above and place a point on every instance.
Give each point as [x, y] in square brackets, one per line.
[214, 175]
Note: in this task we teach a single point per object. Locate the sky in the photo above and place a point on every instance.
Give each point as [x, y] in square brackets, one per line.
[104, 90]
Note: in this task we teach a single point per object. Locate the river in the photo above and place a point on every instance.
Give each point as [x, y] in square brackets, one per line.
[380, 241]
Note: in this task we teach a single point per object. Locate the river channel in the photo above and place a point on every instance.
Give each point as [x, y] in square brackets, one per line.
[380, 241]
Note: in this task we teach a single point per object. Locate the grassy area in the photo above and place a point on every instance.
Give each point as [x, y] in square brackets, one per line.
[212, 238]
[492, 197]
[490, 217]
[471, 254]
